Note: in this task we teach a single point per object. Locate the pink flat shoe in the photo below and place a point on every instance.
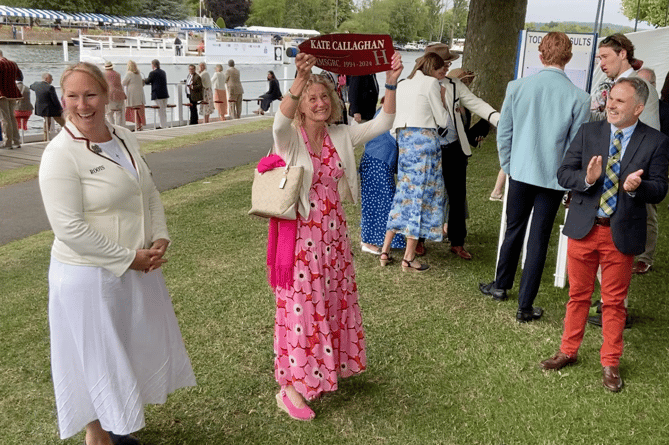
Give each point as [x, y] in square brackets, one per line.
[283, 401]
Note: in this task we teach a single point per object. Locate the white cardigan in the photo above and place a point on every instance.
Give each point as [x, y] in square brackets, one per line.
[289, 144]
[99, 212]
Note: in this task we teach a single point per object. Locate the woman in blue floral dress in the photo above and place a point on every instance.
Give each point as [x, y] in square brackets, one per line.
[418, 204]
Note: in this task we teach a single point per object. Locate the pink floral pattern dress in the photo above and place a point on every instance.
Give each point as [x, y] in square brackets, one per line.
[318, 332]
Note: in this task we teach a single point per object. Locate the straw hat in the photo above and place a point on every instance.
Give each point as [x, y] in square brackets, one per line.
[441, 49]
[459, 73]
[109, 65]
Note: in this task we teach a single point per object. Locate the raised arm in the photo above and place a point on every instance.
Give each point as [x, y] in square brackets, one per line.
[303, 63]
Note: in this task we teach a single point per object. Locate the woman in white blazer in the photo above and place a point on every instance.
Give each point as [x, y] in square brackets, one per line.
[318, 334]
[115, 342]
[418, 205]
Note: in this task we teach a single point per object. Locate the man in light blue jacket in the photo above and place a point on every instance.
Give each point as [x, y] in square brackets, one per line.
[540, 116]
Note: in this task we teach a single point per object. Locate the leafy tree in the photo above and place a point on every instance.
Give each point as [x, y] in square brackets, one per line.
[302, 14]
[370, 17]
[458, 24]
[405, 19]
[165, 9]
[653, 12]
[267, 13]
[234, 12]
[220, 23]
[435, 19]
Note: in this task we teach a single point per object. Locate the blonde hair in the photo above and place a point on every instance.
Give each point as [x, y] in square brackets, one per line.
[427, 64]
[335, 104]
[132, 67]
[88, 68]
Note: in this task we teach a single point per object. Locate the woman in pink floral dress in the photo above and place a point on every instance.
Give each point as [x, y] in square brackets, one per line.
[318, 334]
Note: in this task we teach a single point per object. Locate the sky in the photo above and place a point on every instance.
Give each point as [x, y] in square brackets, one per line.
[577, 11]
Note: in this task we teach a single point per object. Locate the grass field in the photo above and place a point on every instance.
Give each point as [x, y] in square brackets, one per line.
[445, 364]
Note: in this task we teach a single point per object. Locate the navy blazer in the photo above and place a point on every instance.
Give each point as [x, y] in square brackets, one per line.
[648, 149]
[46, 100]
[363, 94]
[158, 81]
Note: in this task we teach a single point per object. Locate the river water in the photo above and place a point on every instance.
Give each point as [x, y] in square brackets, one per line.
[37, 59]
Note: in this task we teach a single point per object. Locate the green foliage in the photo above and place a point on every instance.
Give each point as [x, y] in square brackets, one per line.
[234, 12]
[166, 9]
[576, 27]
[267, 13]
[371, 17]
[653, 12]
[406, 18]
[220, 22]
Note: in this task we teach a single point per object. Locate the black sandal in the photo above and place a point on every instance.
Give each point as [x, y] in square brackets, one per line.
[407, 266]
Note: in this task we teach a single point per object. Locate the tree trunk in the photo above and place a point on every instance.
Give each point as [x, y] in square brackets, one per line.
[491, 44]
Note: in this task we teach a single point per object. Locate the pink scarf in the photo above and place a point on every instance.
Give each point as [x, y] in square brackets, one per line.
[281, 238]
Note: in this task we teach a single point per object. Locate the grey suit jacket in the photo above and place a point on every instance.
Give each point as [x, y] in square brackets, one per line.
[648, 149]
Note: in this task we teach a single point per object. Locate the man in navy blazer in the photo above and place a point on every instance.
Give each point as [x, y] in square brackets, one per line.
[606, 224]
[540, 116]
[363, 95]
[158, 81]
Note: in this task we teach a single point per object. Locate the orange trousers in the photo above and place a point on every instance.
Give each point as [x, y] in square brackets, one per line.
[584, 257]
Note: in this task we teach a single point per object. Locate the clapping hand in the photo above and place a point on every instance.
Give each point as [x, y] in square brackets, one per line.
[633, 181]
[594, 170]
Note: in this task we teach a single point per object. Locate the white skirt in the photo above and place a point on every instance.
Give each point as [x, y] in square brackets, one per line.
[115, 346]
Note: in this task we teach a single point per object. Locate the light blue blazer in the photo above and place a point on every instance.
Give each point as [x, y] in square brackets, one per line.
[540, 116]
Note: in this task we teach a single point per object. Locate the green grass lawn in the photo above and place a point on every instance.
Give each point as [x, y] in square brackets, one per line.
[445, 364]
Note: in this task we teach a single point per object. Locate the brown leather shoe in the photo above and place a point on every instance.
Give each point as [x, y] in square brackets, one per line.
[558, 361]
[640, 268]
[421, 250]
[611, 378]
[461, 252]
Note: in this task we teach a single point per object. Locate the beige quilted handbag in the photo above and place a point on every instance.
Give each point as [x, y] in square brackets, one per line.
[275, 193]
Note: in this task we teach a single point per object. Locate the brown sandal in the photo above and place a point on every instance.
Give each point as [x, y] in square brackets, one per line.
[385, 259]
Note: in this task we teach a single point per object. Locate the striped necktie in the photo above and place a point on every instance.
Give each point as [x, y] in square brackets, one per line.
[609, 197]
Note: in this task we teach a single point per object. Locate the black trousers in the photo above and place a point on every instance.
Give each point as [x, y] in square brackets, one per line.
[454, 166]
[522, 198]
[193, 112]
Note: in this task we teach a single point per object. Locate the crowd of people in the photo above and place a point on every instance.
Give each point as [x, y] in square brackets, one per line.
[413, 188]
[220, 92]
[115, 341]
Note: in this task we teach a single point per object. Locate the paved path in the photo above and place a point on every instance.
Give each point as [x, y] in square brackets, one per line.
[21, 210]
